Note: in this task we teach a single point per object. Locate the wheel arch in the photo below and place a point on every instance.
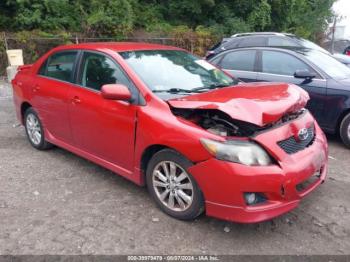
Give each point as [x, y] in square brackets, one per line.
[147, 155]
[341, 118]
[150, 151]
[24, 106]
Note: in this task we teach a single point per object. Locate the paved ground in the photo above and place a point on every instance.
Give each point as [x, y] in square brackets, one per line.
[54, 202]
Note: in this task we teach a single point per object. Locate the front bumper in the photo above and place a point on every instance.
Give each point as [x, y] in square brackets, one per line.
[223, 183]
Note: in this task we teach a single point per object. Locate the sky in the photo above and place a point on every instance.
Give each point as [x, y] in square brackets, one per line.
[342, 7]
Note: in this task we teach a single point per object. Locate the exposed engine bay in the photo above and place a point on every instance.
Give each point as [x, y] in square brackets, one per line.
[219, 123]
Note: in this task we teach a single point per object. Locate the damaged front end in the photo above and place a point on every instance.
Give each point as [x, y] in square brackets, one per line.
[221, 124]
[240, 115]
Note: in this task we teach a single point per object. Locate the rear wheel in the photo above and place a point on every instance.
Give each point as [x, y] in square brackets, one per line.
[34, 130]
[172, 187]
[345, 130]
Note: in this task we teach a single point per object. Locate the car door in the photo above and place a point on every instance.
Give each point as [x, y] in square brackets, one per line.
[103, 128]
[279, 66]
[50, 93]
[240, 63]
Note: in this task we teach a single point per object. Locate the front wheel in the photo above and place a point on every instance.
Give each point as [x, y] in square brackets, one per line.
[34, 130]
[172, 187]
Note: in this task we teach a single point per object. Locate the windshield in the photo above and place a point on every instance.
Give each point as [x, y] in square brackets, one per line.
[329, 65]
[311, 45]
[175, 71]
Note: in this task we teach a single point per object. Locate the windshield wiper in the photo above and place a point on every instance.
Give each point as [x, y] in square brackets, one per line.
[174, 90]
[194, 90]
[210, 87]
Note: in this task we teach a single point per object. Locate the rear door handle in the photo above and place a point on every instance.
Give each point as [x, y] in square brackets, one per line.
[36, 88]
[76, 100]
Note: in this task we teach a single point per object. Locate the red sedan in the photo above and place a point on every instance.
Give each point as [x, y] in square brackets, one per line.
[159, 116]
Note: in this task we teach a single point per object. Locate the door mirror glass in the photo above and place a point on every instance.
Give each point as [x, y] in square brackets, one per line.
[304, 73]
[115, 92]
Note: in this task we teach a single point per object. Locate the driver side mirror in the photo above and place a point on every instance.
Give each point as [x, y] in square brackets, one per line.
[304, 73]
[115, 92]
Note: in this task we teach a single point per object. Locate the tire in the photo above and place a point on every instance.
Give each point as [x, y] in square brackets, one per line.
[34, 130]
[344, 130]
[187, 199]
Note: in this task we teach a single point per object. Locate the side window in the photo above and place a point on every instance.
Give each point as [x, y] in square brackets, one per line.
[60, 66]
[280, 41]
[253, 41]
[98, 70]
[239, 60]
[281, 63]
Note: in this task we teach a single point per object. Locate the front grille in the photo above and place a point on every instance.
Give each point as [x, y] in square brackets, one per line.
[292, 146]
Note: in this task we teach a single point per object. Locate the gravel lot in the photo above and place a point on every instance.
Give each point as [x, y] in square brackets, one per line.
[55, 202]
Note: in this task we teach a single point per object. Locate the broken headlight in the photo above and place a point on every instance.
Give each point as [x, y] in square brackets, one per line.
[243, 152]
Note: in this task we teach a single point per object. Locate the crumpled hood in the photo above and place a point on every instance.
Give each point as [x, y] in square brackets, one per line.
[257, 103]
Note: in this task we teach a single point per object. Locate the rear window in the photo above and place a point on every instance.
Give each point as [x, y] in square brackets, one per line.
[230, 44]
[215, 46]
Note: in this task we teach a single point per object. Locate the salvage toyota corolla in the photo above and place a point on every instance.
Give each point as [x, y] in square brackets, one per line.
[161, 117]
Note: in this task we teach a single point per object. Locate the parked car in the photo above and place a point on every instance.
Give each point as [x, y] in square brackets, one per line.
[160, 116]
[269, 39]
[325, 79]
[342, 58]
[347, 51]
[339, 45]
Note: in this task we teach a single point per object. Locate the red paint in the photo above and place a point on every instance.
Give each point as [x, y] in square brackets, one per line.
[116, 134]
[257, 103]
[115, 92]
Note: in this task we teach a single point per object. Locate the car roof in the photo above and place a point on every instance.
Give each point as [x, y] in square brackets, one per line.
[298, 49]
[118, 46]
[262, 34]
[225, 42]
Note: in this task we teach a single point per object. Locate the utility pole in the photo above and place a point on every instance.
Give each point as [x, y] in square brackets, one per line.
[333, 33]
[5, 41]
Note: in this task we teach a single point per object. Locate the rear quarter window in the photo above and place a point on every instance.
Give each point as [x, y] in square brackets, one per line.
[231, 44]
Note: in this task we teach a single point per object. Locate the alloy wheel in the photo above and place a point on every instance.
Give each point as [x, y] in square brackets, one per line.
[33, 129]
[172, 185]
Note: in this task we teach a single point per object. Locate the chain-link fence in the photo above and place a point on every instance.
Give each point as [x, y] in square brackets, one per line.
[35, 47]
